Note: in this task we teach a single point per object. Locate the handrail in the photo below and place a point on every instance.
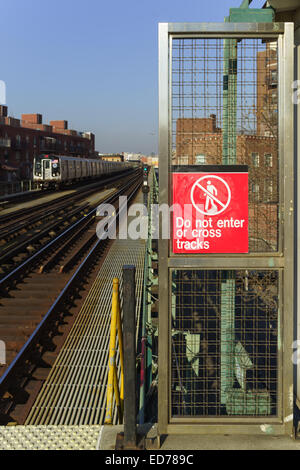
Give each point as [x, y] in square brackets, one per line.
[112, 382]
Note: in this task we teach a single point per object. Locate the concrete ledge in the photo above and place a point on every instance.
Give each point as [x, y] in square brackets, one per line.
[108, 434]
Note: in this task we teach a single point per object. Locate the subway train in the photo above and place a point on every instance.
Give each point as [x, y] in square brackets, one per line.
[53, 171]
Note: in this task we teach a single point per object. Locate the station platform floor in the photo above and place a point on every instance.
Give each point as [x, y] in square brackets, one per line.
[103, 437]
[91, 199]
[36, 201]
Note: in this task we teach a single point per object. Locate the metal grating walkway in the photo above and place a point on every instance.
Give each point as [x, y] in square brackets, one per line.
[75, 390]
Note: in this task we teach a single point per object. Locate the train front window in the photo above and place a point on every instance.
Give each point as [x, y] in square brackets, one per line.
[38, 166]
[55, 167]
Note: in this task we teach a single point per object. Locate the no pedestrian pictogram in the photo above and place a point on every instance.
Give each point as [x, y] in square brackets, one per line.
[210, 195]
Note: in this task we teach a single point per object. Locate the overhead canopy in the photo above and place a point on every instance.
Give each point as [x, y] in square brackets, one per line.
[284, 5]
[287, 10]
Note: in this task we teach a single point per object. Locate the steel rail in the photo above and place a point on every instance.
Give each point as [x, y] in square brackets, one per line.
[41, 330]
[11, 252]
[87, 189]
[13, 231]
[66, 245]
[19, 270]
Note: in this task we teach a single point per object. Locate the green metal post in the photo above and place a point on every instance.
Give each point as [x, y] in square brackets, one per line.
[227, 333]
[229, 101]
[225, 101]
[232, 101]
[229, 133]
[146, 320]
[229, 158]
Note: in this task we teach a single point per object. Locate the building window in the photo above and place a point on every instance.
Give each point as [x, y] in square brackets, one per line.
[268, 190]
[274, 98]
[255, 159]
[274, 77]
[268, 160]
[27, 156]
[184, 160]
[200, 159]
[18, 156]
[255, 190]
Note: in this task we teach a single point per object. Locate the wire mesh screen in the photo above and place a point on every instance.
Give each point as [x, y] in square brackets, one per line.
[224, 343]
[225, 111]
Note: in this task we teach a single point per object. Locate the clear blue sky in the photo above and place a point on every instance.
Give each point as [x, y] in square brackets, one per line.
[93, 62]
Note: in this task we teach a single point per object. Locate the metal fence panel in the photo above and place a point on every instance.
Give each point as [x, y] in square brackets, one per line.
[225, 111]
[225, 338]
[226, 321]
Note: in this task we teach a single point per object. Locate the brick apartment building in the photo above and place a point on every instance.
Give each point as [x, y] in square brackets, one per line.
[22, 139]
[267, 93]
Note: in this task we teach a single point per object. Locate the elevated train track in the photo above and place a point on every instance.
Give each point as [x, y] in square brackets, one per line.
[38, 299]
[13, 220]
[25, 232]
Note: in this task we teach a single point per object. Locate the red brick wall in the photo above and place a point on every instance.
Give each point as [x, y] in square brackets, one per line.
[33, 141]
[59, 124]
[32, 118]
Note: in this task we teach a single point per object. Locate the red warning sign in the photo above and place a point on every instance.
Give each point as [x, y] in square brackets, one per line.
[210, 212]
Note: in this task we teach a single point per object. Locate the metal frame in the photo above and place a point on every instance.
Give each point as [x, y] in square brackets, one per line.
[297, 221]
[282, 261]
